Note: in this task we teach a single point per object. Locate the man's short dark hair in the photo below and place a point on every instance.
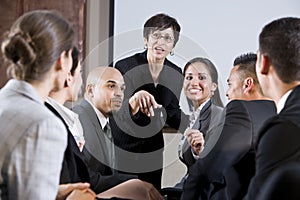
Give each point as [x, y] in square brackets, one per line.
[280, 41]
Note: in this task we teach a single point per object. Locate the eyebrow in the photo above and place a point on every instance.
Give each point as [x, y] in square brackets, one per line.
[111, 81]
[197, 73]
[114, 82]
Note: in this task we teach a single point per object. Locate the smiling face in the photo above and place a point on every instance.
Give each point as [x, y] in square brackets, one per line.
[108, 93]
[160, 43]
[198, 85]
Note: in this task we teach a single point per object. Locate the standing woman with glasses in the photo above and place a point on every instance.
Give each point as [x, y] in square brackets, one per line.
[153, 72]
[33, 140]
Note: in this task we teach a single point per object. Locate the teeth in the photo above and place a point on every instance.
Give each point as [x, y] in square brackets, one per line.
[194, 90]
[159, 48]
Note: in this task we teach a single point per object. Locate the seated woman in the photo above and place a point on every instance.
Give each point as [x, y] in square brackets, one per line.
[201, 88]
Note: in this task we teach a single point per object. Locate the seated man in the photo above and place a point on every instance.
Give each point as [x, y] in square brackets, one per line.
[278, 70]
[74, 169]
[103, 97]
[226, 164]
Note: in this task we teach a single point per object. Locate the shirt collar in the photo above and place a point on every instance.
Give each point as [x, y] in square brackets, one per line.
[195, 114]
[282, 101]
[198, 110]
[102, 119]
[68, 115]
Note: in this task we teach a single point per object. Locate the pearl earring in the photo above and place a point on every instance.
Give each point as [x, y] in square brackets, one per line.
[172, 53]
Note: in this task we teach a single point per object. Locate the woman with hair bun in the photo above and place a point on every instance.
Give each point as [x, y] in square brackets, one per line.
[38, 51]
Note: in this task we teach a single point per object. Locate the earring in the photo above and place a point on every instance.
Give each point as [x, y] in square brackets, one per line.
[145, 46]
[212, 93]
[172, 53]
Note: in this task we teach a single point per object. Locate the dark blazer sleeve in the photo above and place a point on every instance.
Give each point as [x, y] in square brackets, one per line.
[273, 151]
[206, 175]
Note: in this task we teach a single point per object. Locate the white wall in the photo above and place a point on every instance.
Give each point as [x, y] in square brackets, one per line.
[220, 30]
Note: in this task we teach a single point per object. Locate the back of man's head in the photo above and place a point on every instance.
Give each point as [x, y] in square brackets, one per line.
[280, 41]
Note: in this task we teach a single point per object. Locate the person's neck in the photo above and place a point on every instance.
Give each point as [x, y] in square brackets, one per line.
[43, 88]
[282, 89]
[256, 96]
[58, 96]
[155, 62]
[197, 104]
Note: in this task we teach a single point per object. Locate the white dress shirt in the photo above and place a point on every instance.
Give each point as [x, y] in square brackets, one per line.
[71, 119]
[183, 144]
[282, 101]
[104, 121]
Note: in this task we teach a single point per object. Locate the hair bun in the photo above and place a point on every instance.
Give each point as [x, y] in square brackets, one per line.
[19, 49]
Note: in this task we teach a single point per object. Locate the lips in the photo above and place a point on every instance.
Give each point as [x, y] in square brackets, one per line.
[159, 49]
[194, 90]
[117, 102]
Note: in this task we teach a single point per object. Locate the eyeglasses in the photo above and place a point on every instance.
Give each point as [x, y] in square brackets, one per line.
[167, 38]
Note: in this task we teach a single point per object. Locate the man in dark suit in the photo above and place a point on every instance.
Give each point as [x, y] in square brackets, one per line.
[226, 164]
[278, 71]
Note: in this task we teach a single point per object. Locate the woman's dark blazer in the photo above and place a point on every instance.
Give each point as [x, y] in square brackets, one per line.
[148, 136]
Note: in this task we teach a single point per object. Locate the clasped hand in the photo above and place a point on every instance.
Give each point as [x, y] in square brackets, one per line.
[195, 139]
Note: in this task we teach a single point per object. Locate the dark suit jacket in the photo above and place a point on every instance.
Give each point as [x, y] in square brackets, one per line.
[226, 166]
[74, 168]
[102, 176]
[147, 137]
[278, 143]
[282, 184]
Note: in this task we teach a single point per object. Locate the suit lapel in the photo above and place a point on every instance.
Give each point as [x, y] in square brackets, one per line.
[97, 135]
[202, 122]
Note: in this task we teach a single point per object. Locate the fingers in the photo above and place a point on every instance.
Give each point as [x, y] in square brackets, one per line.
[80, 186]
[85, 194]
[153, 193]
[146, 102]
[66, 189]
[154, 103]
[91, 192]
[194, 137]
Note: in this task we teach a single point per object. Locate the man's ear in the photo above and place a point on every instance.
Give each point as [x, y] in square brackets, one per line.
[248, 84]
[69, 79]
[65, 61]
[265, 64]
[89, 90]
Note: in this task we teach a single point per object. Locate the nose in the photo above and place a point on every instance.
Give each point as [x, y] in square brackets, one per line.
[161, 40]
[119, 92]
[194, 81]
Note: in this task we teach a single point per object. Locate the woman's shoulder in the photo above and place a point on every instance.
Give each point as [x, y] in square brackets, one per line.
[172, 65]
[130, 62]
